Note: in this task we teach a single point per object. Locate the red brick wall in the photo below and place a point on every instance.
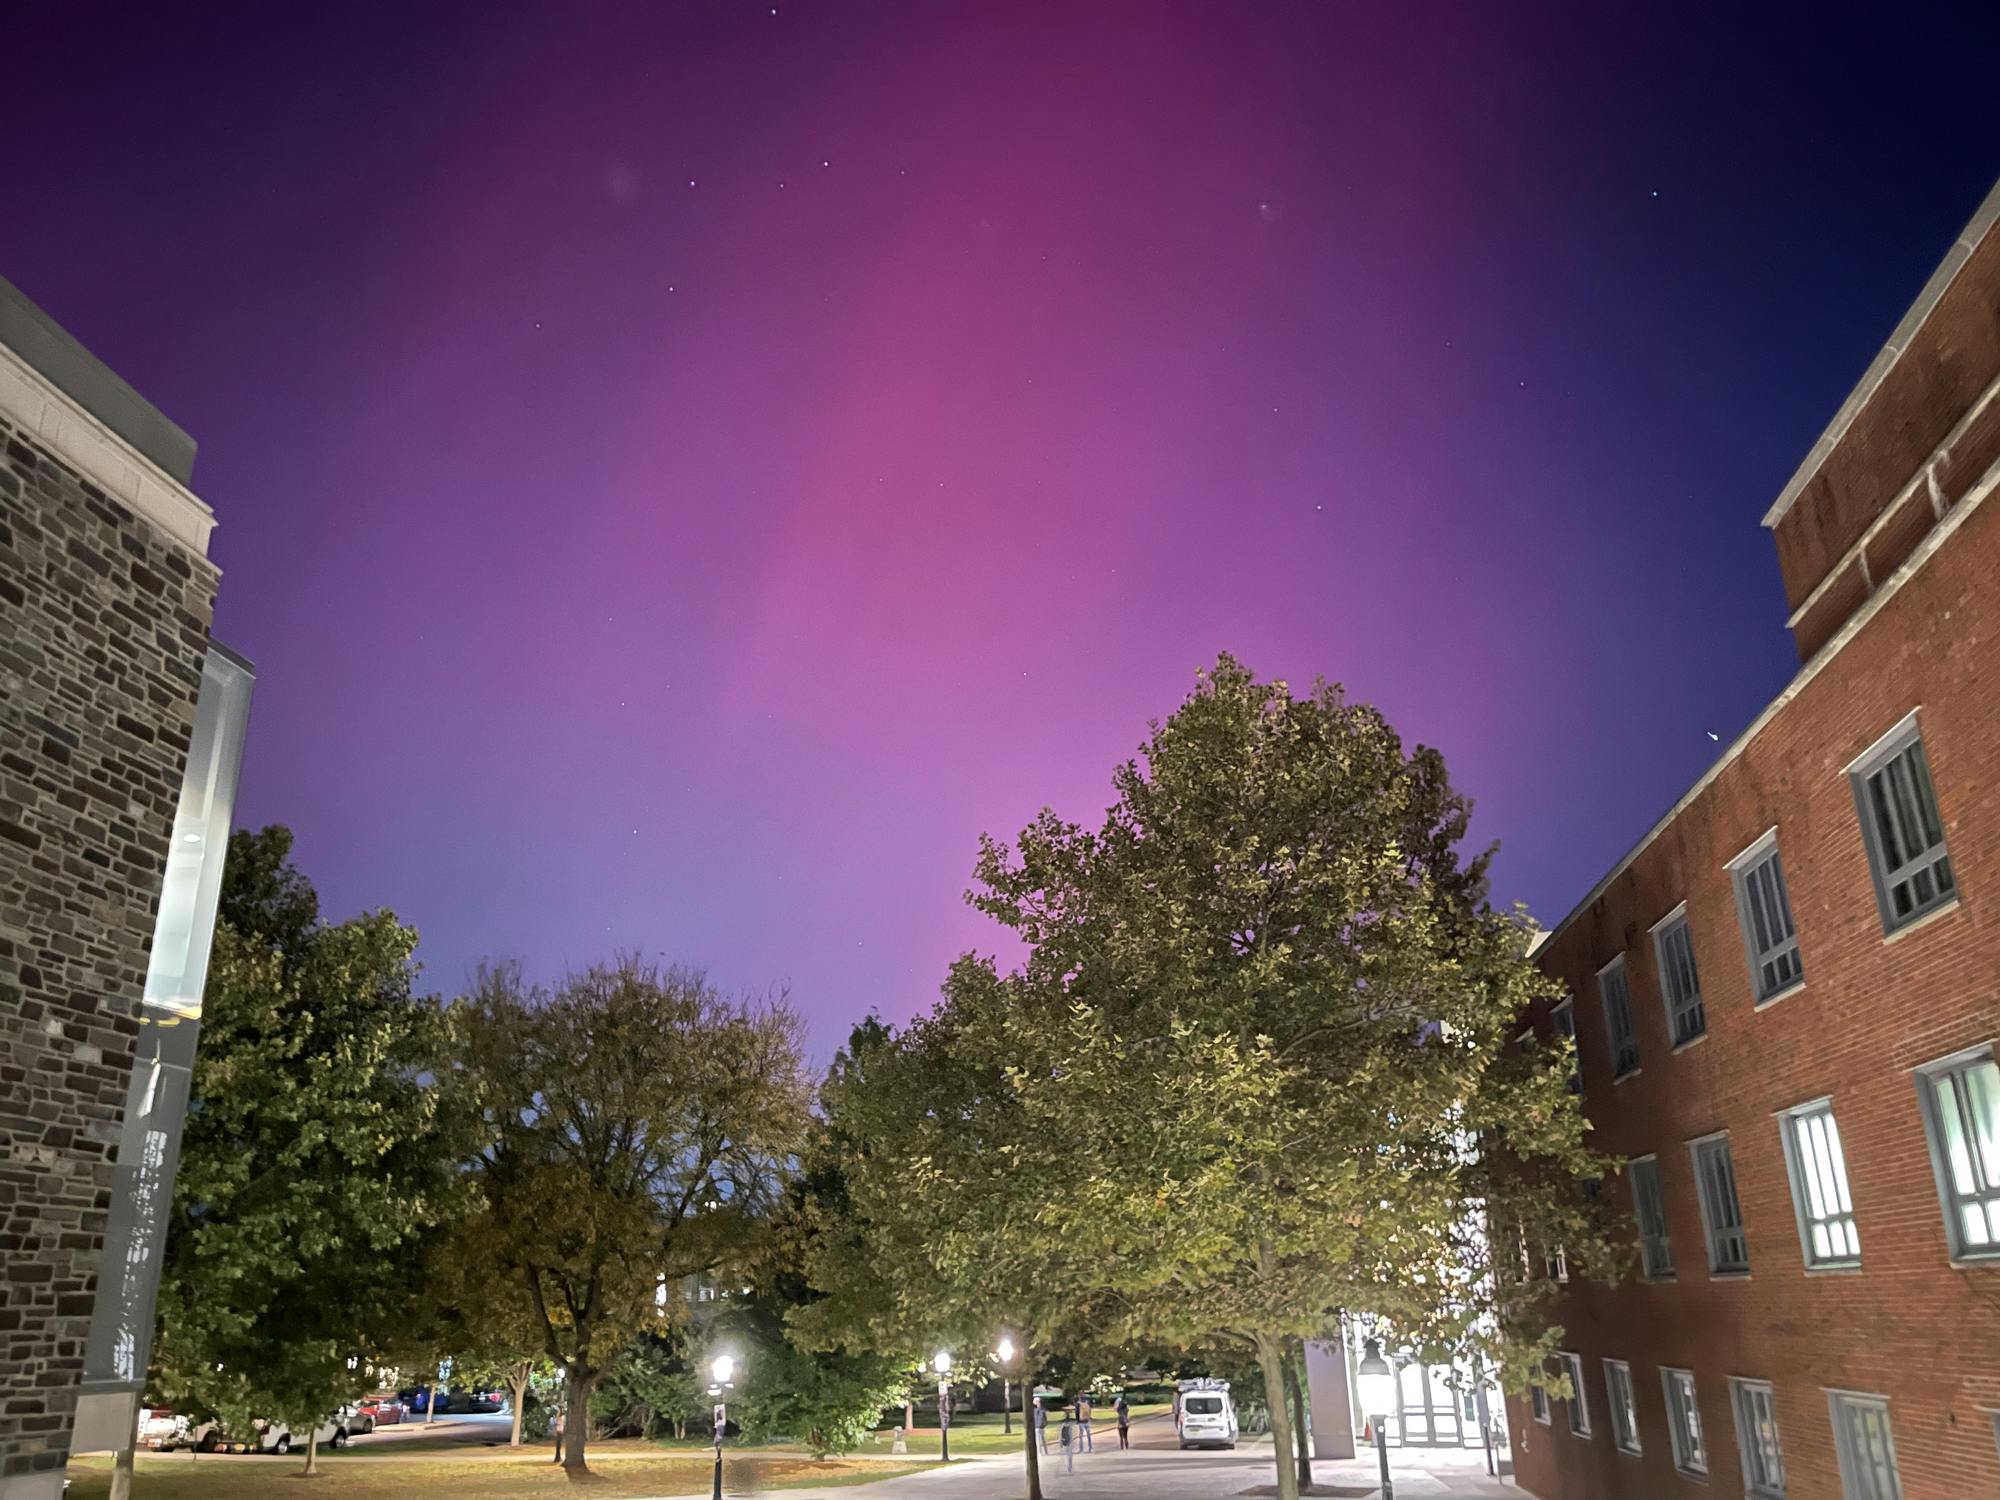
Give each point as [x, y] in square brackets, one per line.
[1908, 1324]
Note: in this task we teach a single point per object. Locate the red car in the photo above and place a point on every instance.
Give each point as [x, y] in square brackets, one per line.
[381, 1411]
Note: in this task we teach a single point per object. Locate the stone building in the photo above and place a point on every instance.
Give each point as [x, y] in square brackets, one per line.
[1786, 998]
[105, 600]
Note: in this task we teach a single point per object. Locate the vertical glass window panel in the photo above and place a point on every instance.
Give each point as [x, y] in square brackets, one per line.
[1721, 1213]
[1616, 995]
[1820, 1193]
[1563, 1017]
[1538, 1401]
[1678, 981]
[1866, 1448]
[1965, 1126]
[1649, 1211]
[1757, 1436]
[1684, 1423]
[1579, 1402]
[1624, 1411]
[1905, 831]
[1764, 907]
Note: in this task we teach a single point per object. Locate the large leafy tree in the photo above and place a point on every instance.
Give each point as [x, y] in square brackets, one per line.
[641, 1126]
[1257, 1064]
[316, 1158]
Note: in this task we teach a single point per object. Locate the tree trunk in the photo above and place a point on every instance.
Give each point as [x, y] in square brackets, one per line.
[1028, 1428]
[312, 1451]
[1271, 1360]
[909, 1415]
[520, 1391]
[431, 1411]
[576, 1417]
[1295, 1379]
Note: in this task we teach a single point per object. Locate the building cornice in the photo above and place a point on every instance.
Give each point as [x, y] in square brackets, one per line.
[1878, 369]
[57, 420]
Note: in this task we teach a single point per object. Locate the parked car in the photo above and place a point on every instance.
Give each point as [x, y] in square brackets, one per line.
[380, 1411]
[1208, 1415]
[277, 1437]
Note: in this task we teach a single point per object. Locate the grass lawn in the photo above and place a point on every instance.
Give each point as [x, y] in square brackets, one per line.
[981, 1432]
[621, 1471]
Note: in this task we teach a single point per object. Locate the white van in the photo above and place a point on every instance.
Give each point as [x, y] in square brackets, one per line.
[1208, 1415]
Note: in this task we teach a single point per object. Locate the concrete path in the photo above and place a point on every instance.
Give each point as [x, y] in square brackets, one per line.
[1155, 1469]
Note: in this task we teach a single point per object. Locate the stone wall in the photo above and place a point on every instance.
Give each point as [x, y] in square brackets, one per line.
[103, 628]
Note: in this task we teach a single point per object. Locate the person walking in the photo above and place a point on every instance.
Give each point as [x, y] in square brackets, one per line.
[1042, 1425]
[1086, 1441]
[1068, 1448]
[1124, 1410]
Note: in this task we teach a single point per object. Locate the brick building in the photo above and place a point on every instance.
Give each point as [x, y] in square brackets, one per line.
[105, 593]
[1785, 1001]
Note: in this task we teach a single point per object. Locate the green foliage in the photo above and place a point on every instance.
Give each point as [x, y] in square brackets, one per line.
[651, 1384]
[641, 1126]
[315, 1158]
[829, 1401]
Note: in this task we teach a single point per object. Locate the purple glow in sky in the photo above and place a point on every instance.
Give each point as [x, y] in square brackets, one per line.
[685, 471]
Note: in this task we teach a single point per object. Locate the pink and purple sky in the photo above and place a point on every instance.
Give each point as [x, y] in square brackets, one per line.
[684, 471]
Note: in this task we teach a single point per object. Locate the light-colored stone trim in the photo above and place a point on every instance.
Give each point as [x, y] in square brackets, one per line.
[1878, 370]
[100, 455]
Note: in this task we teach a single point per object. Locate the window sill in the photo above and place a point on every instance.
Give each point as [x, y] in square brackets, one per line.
[1844, 1268]
[1985, 1260]
[1699, 1476]
[1743, 1275]
[1694, 1041]
[1631, 1452]
[1631, 1072]
[1922, 919]
[1784, 994]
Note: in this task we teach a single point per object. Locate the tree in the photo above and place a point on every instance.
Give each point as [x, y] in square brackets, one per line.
[827, 1400]
[924, 1223]
[1269, 990]
[483, 1321]
[641, 1125]
[315, 1157]
[652, 1381]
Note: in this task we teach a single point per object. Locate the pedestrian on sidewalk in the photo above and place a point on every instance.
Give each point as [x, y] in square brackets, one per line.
[1124, 1409]
[1068, 1447]
[1042, 1425]
[1086, 1441]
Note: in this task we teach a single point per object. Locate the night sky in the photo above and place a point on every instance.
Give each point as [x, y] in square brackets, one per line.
[684, 471]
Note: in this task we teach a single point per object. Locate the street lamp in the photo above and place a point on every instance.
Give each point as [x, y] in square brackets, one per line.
[942, 1364]
[1005, 1350]
[1378, 1395]
[721, 1369]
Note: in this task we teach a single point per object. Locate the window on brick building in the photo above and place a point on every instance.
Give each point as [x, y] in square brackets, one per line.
[1673, 947]
[1578, 1403]
[1556, 1264]
[1649, 1212]
[1721, 1212]
[1756, 1407]
[1866, 1447]
[1684, 1423]
[1624, 1410]
[1563, 1017]
[1764, 907]
[1818, 1169]
[1902, 827]
[1538, 1400]
[1616, 996]
[1961, 1102]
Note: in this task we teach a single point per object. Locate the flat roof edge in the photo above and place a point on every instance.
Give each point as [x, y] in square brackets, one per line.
[48, 349]
[1878, 368]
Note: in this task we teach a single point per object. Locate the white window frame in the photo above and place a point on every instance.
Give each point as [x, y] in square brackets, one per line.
[1761, 901]
[1860, 1478]
[1579, 1401]
[1562, 1019]
[1538, 1402]
[1891, 747]
[1623, 1403]
[1808, 1168]
[1556, 1264]
[1620, 1046]
[1759, 1480]
[1678, 1005]
[1684, 1427]
[1987, 1185]
[1665, 1238]
[1712, 1229]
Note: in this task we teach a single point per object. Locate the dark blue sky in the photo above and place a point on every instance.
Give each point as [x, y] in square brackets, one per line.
[684, 471]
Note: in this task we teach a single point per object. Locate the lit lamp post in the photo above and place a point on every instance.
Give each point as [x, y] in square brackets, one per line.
[942, 1364]
[1378, 1395]
[720, 1369]
[1006, 1353]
